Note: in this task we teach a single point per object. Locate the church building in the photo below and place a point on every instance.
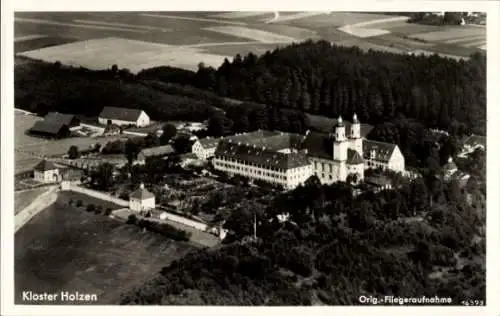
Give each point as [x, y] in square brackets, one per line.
[290, 159]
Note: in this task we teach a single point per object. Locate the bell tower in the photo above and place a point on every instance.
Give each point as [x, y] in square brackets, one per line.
[355, 135]
[340, 144]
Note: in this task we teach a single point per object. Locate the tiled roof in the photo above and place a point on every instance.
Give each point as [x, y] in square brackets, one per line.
[475, 140]
[353, 157]
[383, 151]
[157, 151]
[209, 142]
[189, 156]
[123, 114]
[45, 165]
[141, 194]
[47, 127]
[261, 155]
[60, 118]
[319, 145]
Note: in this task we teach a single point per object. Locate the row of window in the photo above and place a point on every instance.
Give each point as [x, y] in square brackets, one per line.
[244, 163]
[262, 173]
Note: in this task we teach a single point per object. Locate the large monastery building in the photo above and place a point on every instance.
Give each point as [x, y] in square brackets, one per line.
[290, 159]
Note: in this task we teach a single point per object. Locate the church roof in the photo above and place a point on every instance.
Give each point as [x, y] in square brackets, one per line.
[141, 194]
[45, 165]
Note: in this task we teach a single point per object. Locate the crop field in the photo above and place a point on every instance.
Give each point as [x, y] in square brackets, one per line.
[140, 55]
[189, 38]
[63, 248]
[28, 148]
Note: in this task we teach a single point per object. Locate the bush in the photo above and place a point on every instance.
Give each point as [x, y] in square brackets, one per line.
[70, 202]
[132, 219]
[79, 203]
[91, 208]
[108, 211]
[98, 209]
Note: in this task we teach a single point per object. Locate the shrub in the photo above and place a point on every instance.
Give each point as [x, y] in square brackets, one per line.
[70, 202]
[98, 209]
[108, 212]
[91, 208]
[79, 203]
[132, 219]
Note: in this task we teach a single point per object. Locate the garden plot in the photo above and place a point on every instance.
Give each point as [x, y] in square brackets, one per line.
[132, 54]
[252, 34]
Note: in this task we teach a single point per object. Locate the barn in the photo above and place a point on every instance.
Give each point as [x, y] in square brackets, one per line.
[123, 116]
[50, 129]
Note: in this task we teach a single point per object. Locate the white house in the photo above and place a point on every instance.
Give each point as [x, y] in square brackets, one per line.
[383, 155]
[205, 148]
[46, 172]
[123, 116]
[141, 200]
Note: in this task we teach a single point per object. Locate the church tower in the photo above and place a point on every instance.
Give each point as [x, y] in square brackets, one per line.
[355, 135]
[341, 144]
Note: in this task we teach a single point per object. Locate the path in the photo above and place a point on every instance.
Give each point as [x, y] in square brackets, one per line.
[39, 204]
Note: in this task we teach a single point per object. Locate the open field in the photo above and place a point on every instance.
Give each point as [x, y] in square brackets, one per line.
[28, 148]
[69, 249]
[139, 55]
[209, 37]
[24, 198]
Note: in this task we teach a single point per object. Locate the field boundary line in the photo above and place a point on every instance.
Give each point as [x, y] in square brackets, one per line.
[55, 23]
[130, 26]
[164, 16]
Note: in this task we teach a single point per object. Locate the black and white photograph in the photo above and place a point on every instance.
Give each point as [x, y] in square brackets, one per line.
[249, 158]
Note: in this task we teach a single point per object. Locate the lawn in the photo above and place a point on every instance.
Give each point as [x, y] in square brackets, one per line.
[69, 249]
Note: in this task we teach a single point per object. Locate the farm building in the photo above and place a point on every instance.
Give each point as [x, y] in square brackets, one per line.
[69, 120]
[123, 116]
[141, 200]
[159, 151]
[46, 172]
[50, 129]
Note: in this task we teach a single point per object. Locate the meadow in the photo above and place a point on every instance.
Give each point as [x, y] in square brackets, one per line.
[64, 248]
[28, 148]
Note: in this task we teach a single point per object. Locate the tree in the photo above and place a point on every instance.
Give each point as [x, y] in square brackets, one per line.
[219, 125]
[73, 152]
[182, 144]
[131, 151]
[102, 177]
[169, 131]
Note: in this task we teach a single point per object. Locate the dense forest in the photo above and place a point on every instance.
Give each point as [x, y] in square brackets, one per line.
[426, 237]
[325, 79]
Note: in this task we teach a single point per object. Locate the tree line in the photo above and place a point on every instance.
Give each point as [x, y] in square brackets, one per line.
[321, 78]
